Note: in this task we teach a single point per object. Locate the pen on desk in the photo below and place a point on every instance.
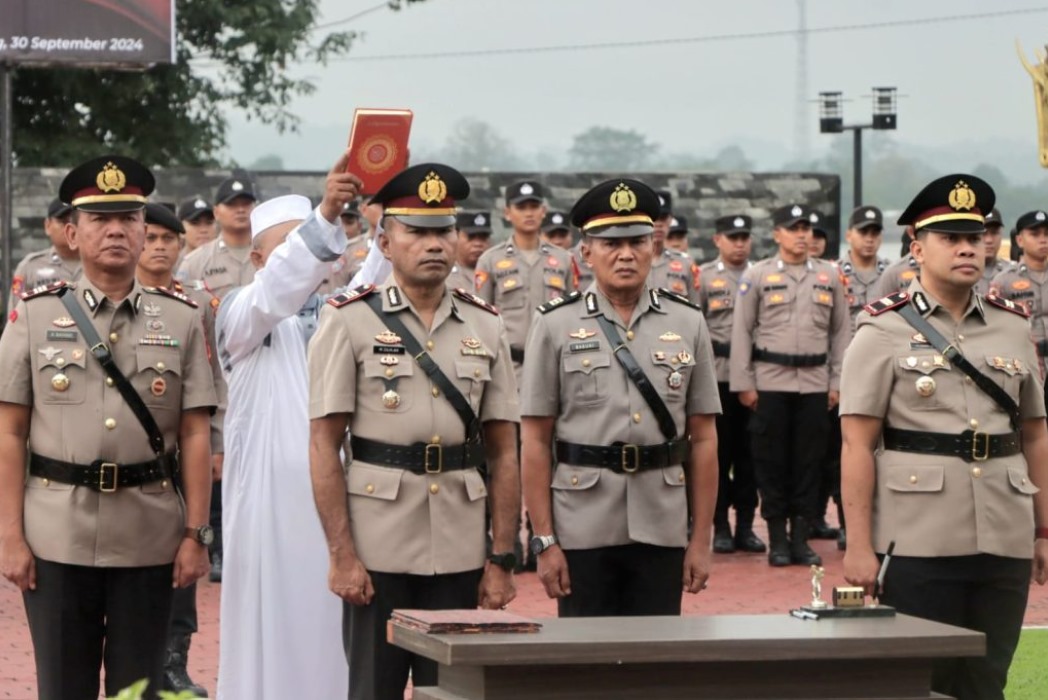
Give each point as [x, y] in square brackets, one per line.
[804, 615]
[878, 589]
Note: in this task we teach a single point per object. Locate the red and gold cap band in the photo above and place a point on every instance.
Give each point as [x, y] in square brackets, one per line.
[617, 220]
[940, 214]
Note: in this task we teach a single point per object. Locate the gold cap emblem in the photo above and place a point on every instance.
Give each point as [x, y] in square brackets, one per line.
[432, 190]
[623, 198]
[111, 178]
[962, 196]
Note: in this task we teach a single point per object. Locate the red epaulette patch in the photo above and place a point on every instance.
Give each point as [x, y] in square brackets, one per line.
[43, 290]
[172, 294]
[340, 300]
[892, 301]
[1008, 305]
[475, 300]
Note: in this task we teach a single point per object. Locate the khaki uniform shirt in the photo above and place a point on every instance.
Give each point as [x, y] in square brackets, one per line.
[992, 270]
[571, 373]
[158, 343]
[896, 277]
[718, 287]
[1030, 289]
[677, 272]
[505, 279]
[461, 278]
[404, 522]
[794, 310]
[41, 269]
[933, 505]
[585, 272]
[860, 283]
[347, 265]
[216, 269]
[207, 315]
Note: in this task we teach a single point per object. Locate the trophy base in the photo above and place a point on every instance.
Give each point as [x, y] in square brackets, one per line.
[863, 611]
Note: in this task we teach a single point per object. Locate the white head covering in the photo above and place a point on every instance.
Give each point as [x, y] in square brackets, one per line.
[279, 210]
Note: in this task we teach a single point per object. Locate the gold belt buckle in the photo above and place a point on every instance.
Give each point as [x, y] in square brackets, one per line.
[976, 454]
[439, 450]
[628, 450]
[102, 476]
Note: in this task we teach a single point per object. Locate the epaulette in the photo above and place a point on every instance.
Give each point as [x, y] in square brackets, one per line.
[43, 290]
[172, 294]
[472, 298]
[1007, 305]
[892, 301]
[559, 301]
[340, 300]
[679, 298]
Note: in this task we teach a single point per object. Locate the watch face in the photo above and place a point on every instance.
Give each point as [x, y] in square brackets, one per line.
[535, 545]
[206, 535]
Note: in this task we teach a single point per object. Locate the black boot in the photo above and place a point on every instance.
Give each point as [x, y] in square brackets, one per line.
[746, 539]
[820, 530]
[800, 552]
[722, 541]
[176, 677]
[779, 546]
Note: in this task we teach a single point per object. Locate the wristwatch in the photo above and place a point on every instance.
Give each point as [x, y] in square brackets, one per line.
[540, 543]
[204, 534]
[506, 561]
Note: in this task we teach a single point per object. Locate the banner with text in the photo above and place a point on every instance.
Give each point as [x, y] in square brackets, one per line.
[91, 32]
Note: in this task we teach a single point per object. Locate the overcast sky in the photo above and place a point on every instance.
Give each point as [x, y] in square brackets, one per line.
[963, 84]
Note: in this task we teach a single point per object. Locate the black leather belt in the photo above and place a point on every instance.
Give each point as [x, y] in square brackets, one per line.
[971, 445]
[104, 476]
[1042, 347]
[721, 349]
[419, 458]
[623, 458]
[516, 354]
[779, 358]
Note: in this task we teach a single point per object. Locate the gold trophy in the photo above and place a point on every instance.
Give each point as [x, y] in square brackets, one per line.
[848, 601]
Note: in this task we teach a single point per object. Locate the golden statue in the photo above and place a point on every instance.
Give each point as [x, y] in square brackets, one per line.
[1039, 73]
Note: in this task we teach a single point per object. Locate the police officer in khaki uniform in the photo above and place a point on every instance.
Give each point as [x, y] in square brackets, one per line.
[413, 535]
[198, 220]
[96, 535]
[861, 266]
[992, 241]
[473, 229]
[521, 273]
[737, 487]
[933, 462]
[671, 269]
[556, 230]
[677, 236]
[611, 514]
[1027, 282]
[790, 329]
[57, 263]
[820, 235]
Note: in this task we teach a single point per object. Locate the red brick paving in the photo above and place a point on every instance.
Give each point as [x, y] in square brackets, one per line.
[740, 583]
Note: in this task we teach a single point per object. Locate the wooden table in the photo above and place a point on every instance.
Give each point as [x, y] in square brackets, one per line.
[673, 658]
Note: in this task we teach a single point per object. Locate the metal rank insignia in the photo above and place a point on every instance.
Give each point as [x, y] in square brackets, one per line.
[675, 379]
[925, 386]
[60, 382]
[390, 399]
[389, 360]
[471, 343]
[388, 337]
[49, 352]
[669, 337]
[151, 309]
[684, 357]
[63, 322]
[582, 334]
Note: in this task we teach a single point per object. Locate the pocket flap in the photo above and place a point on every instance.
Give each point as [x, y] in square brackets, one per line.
[575, 478]
[672, 358]
[586, 362]
[822, 297]
[722, 304]
[159, 486]
[159, 359]
[61, 358]
[916, 477]
[373, 367]
[674, 476]
[1020, 481]
[1008, 365]
[374, 482]
[475, 371]
[925, 364]
[476, 489]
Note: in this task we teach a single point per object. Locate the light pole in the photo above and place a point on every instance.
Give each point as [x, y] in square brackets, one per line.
[831, 121]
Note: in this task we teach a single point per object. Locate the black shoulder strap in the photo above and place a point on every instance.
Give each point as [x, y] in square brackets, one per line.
[105, 358]
[640, 380]
[451, 392]
[951, 353]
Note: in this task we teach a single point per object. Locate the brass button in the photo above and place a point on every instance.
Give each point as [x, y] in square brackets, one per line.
[674, 360]
[429, 344]
[161, 366]
[913, 478]
[960, 337]
[60, 362]
[629, 335]
[976, 472]
[435, 392]
[636, 418]
[370, 488]
[974, 422]
[109, 381]
[574, 481]
[435, 440]
[681, 478]
[47, 482]
[586, 362]
[434, 488]
[163, 484]
[113, 337]
[476, 372]
[110, 423]
[389, 371]
[967, 380]
[1023, 481]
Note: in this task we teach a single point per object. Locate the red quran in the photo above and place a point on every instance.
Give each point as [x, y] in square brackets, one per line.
[378, 146]
[463, 621]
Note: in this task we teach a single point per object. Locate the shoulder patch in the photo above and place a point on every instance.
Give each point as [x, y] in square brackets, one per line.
[43, 290]
[1007, 305]
[472, 298]
[679, 298]
[560, 301]
[172, 294]
[892, 301]
[340, 300]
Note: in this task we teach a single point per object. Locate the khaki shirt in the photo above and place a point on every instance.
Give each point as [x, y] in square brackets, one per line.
[158, 343]
[677, 272]
[571, 373]
[216, 269]
[585, 272]
[347, 265]
[992, 270]
[718, 287]
[404, 522]
[461, 278]
[207, 316]
[932, 505]
[41, 269]
[794, 310]
[860, 283]
[896, 277]
[1020, 284]
[505, 279]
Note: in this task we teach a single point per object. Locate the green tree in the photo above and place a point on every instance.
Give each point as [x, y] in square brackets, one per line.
[602, 148]
[476, 145]
[229, 54]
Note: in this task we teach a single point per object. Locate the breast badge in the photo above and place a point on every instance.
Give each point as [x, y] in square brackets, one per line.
[675, 380]
[388, 337]
[925, 386]
[49, 352]
[391, 399]
[63, 322]
[582, 334]
[60, 382]
[669, 337]
[158, 387]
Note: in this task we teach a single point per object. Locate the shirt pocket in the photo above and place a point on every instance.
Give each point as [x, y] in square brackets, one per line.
[511, 292]
[822, 307]
[387, 387]
[916, 478]
[61, 374]
[569, 478]
[473, 376]
[1008, 372]
[158, 379]
[668, 363]
[217, 282]
[1020, 481]
[776, 305]
[373, 482]
[926, 373]
[476, 489]
[554, 282]
[585, 378]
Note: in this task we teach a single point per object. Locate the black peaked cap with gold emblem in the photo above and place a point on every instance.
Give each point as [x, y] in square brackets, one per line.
[620, 208]
[107, 184]
[424, 195]
[952, 204]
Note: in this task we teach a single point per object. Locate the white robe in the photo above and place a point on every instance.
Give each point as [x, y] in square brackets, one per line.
[281, 627]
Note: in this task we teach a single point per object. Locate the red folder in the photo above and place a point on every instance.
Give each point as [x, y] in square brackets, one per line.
[378, 144]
